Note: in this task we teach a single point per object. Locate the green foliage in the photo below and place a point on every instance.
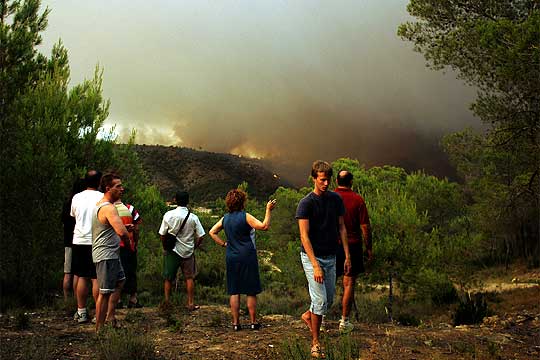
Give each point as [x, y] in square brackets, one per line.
[413, 218]
[48, 135]
[436, 286]
[501, 184]
[51, 133]
[493, 45]
[370, 311]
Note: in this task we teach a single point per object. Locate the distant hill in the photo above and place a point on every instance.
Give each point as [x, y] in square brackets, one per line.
[205, 175]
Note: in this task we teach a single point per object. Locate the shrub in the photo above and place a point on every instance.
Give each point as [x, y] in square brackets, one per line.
[434, 286]
[471, 309]
[124, 344]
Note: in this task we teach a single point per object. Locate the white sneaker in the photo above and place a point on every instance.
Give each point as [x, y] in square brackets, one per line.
[345, 327]
[81, 318]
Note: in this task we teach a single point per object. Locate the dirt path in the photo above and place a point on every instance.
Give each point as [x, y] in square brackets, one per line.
[512, 332]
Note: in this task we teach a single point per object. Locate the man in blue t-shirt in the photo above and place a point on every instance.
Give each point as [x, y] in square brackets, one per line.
[320, 219]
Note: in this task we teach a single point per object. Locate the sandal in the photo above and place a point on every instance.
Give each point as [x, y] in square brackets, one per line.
[255, 326]
[236, 327]
[317, 352]
[193, 307]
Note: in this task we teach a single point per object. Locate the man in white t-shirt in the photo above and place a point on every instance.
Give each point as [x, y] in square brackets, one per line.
[82, 207]
[187, 241]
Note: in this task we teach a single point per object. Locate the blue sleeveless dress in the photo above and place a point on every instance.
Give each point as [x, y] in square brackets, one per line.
[241, 255]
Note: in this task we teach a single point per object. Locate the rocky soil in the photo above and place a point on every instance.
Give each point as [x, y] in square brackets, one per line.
[511, 332]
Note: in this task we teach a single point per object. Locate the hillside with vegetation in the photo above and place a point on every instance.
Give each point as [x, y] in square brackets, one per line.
[455, 272]
[206, 175]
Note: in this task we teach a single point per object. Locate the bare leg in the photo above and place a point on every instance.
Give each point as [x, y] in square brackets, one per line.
[95, 289]
[315, 328]
[167, 288]
[348, 295]
[235, 309]
[82, 292]
[306, 317]
[66, 285]
[190, 289]
[133, 298]
[101, 309]
[113, 300]
[75, 282]
[252, 308]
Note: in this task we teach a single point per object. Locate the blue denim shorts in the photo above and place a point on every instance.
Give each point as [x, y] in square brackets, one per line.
[322, 295]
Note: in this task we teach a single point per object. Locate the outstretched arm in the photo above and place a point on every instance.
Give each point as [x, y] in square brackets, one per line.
[214, 231]
[256, 224]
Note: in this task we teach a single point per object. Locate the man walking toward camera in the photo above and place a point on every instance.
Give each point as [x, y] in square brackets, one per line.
[182, 255]
[321, 224]
[358, 226]
[107, 229]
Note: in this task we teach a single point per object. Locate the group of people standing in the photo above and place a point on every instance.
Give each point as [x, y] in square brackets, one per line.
[100, 238]
[334, 228]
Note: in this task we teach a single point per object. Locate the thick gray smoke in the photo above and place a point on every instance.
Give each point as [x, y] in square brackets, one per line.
[287, 80]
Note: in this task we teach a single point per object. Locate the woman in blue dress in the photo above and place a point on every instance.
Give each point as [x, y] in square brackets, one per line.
[241, 254]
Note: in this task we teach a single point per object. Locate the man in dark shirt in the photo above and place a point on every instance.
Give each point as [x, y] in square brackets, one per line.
[357, 224]
[320, 219]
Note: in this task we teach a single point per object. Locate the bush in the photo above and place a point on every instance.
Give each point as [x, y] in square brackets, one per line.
[471, 309]
[435, 287]
[124, 344]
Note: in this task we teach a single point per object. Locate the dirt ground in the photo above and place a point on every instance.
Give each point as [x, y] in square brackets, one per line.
[512, 332]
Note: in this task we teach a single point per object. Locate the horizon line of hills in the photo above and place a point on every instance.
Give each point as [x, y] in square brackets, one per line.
[208, 175]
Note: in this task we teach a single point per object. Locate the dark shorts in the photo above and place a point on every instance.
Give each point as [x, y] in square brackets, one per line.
[129, 263]
[172, 261]
[109, 274]
[81, 261]
[357, 260]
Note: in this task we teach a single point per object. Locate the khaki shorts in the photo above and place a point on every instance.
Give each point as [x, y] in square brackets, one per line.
[67, 260]
[172, 261]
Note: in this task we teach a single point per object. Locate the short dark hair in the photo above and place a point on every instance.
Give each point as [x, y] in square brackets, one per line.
[235, 200]
[321, 166]
[107, 181]
[92, 179]
[181, 198]
[346, 179]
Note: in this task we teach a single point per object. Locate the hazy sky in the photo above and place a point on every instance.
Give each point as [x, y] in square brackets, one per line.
[296, 80]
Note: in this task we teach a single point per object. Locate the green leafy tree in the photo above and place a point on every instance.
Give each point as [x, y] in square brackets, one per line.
[49, 135]
[416, 232]
[494, 46]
